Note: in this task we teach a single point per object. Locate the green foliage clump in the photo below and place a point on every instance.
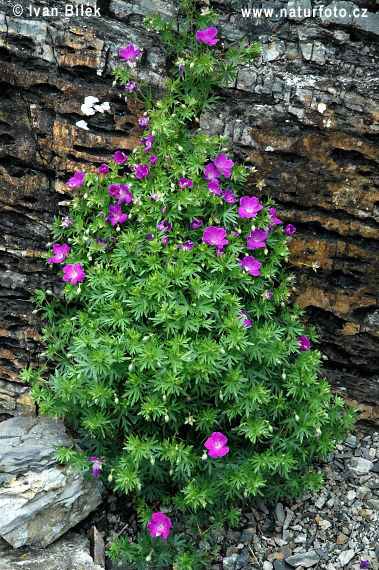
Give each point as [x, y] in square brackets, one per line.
[151, 352]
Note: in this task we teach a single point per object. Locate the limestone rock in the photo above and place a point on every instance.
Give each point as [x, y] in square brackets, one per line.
[39, 499]
[70, 552]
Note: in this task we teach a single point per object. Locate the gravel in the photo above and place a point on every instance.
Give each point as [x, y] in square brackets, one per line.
[332, 530]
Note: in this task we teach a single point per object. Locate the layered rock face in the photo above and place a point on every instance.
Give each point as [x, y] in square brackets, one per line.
[304, 113]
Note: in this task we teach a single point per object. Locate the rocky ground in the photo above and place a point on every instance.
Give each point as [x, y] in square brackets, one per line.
[336, 529]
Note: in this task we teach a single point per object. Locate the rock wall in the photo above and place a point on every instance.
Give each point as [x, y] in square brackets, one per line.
[304, 113]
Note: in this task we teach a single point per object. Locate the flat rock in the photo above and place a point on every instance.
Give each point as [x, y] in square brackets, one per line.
[39, 499]
[306, 559]
[70, 552]
[359, 466]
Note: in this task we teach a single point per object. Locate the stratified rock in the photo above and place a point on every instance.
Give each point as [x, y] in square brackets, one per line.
[39, 499]
[70, 552]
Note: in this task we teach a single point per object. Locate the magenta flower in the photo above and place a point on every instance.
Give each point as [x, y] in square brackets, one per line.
[73, 273]
[210, 171]
[159, 525]
[249, 207]
[289, 229]
[116, 216]
[255, 239]
[229, 197]
[129, 53]
[143, 170]
[131, 86]
[96, 465]
[274, 220]
[185, 183]
[269, 294]
[188, 245]
[113, 190]
[76, 181]
[147, 142]
[60, 253]
[165, 240]
[207, 36]
[214, 187]
[223, 165]
[220, 251]
[251, 265]
[66, 222]
[143, 122]
[304, 342]
[247, 322]
[153, 159]
[364, 564]
[164, 226]
[150, 237]
[216, 445]
[164, 209]
[103, 169]
[235, 234]
[154, 197]
[120, 157]
[124, 195]
[181, 68]
[195, 223]
[215, 236]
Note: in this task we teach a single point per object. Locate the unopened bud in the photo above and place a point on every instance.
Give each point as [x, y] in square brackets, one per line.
[265, 251]
[284, 375]
[116, 400]
[110, 477]
[180, 148]
[48, 292]
[297, 417]
[152, 460]
[85, 196]
[130, 367]
[166, 418]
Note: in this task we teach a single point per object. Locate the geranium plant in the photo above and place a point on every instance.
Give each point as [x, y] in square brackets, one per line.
[178, 357]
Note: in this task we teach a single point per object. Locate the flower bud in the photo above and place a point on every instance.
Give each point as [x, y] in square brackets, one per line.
[297, 417]
[180, 148]
[284, 375]
[152, 460]
[130, 367]
[166, 418]
[116, 400]
[192, 64]
[110, 477]
[265, 251]
[85, 196]
[148, 558]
